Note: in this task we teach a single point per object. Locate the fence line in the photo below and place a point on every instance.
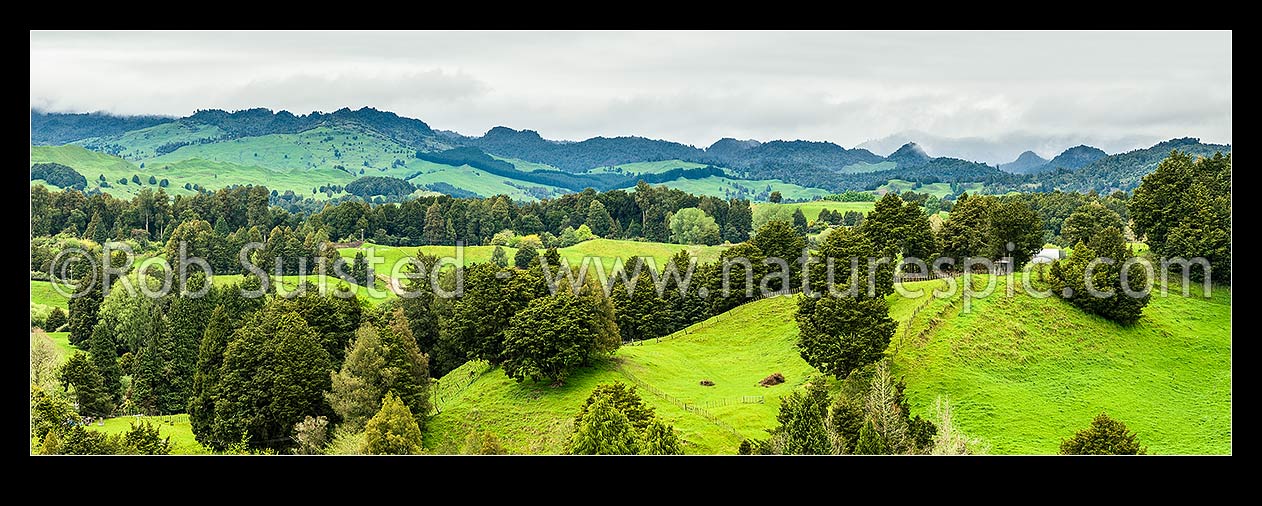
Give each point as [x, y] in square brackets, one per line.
[689, 407]
[453, 387]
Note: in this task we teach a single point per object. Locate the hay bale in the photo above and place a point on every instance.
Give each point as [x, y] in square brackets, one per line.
[774, 379]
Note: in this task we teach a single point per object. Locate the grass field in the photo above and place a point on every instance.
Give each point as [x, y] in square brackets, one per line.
[938, 189]
[811, 209]
[138, 145]
[606, 249]
[475, 180]
[175, 426]
[1023, 373]
[62, 340]
[42, 292]
[536, 418]
[725, 186]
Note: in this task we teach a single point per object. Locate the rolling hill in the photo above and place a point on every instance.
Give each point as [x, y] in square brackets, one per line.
[1021, 373]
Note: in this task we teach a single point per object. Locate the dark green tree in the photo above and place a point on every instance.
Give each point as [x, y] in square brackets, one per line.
[1013, 222]
[554, 335]
[778, 239]
[604, 430]
[104, 354]
[1183, 209]
[802, 430]
[598, 219]
[524, 256]
[274, 374]
[799, 221]
[660, 439]
[1087, 221]
[1106, 436]
[498, 257]
[775, 197]
[90, 394]
[56, 318]
[83, 308]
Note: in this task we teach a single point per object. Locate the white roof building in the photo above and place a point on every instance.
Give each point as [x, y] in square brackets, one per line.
[1048, 255]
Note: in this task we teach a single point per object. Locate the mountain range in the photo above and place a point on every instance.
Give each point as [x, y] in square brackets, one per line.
[318, 153]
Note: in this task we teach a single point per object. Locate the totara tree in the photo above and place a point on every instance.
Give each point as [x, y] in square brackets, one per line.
[775, 197]
[1014, 223]
[83, 308]
[498, 257]
[598, 219]
[90, 394]
[660, 439]
[799, 221]
[1183, 209]
[553, 335]
[56, 318]
[393, 430]
[274, 374]
[524, 256]
[1106, 436]
[1106, 256]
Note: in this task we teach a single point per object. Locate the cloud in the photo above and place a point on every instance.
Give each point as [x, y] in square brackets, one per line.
[1010, 91]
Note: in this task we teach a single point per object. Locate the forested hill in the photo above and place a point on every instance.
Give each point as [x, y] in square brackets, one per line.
[319, 153]
[580, 156]
[1122, 171]
[63, 128]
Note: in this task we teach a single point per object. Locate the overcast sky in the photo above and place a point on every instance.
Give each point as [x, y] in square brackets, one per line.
[1003, 91]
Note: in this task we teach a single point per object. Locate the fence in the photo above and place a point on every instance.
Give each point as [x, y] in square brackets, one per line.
[686, 406]
[455, 384]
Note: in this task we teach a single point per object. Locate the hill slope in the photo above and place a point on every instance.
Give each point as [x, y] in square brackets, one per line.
[1028, 162]
[536, 418]
[1024, 372]
[1021, 373]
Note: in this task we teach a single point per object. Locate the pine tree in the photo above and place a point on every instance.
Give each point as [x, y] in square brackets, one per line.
[381, 361]
[799, 221]
[83, 309]
[870, 442]
[79, 372]
[435, 231]
[104, 354]
[604, 430]
[393, 430]
[56, 318]
[598, 219]
[525, 254]
[214, 342]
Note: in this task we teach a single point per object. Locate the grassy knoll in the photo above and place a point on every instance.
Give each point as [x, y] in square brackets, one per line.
[1021, 373]
[62, 340]
[477, 181]
[536, 418]
[175, 426]
[1024, 372]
